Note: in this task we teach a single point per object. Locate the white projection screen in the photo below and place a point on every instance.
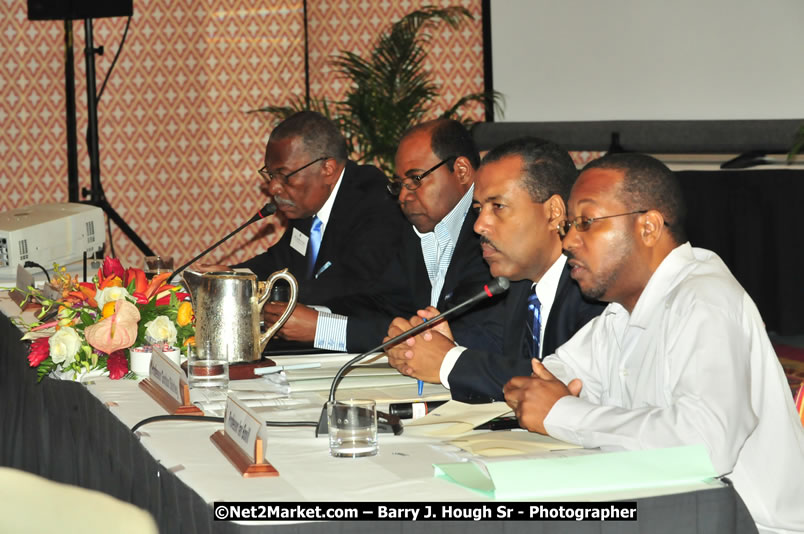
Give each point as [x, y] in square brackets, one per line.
[591, 60]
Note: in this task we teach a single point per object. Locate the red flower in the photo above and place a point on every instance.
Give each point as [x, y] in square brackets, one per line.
[117, 365]
[40, 350]
[139, 279]
[112, 266]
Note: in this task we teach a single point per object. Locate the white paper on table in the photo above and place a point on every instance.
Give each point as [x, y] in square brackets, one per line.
[353, 382]
[509, 443]
[455, 418]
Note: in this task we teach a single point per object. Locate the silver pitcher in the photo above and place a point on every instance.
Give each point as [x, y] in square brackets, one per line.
[228, 310]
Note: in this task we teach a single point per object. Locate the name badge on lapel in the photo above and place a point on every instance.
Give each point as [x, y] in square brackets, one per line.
[298, 241]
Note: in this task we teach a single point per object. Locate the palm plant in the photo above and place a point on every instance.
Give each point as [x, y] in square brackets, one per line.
[390, 91]
[798, 143]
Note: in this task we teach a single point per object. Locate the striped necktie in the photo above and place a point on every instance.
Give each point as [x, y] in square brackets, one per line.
[313, 245]
[534, 325]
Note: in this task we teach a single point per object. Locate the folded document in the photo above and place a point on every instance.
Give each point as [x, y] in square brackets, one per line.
[580, 474]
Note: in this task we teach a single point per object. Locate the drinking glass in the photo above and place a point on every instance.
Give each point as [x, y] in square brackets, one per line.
[352, 428]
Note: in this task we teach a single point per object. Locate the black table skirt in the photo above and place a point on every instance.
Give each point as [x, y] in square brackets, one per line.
[59, 430]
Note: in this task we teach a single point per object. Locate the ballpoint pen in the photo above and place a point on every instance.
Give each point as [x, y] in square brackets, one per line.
[323, 268]
[420, 384]
[279, 368]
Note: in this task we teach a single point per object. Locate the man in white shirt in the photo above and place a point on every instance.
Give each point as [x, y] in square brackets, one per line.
[520, 193]
[680, 355]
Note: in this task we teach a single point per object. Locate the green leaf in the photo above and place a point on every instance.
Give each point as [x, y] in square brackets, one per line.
[44, 368]
[389, 90]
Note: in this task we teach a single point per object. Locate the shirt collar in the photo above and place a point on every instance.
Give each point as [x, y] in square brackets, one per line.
[326, 209]
[548, 285]
[671, 270]
[450, 225]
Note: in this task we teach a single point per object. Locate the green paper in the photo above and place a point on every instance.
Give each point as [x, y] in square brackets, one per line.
[588, 473]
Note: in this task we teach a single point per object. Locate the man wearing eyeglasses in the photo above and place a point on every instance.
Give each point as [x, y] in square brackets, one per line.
[680, 356]
[342, 228]
[438, 252]
[519, 197]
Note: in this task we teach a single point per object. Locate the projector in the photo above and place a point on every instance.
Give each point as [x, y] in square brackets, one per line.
[48, 233]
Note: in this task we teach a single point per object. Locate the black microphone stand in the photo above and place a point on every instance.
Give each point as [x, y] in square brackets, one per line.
[497, 286]
[266, 210]
[95, 191]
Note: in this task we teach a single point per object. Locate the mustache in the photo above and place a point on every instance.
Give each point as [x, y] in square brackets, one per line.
[279, 201]
[569, 254]
[486, 241]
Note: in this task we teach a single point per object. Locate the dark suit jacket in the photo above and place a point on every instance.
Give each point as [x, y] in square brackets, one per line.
[479, 376]
[405, 288]
[360, 239]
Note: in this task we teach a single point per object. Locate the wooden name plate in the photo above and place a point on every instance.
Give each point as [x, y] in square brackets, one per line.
[167, 385]
[239, 441]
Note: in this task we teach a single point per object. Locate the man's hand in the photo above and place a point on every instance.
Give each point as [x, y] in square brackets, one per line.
[533, 397]
[299, 327]
[419, 356]
[441, 327]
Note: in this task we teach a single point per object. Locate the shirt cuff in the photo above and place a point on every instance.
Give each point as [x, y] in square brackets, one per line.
[560, 420]
[330, 332]
[449, 361]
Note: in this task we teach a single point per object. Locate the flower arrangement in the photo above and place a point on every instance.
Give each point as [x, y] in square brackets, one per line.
[97, 323]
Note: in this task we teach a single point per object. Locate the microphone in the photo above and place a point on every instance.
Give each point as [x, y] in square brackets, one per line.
[497, 286]
[268, 209]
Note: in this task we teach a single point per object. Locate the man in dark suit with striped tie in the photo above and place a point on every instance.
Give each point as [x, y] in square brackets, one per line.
[520, 197]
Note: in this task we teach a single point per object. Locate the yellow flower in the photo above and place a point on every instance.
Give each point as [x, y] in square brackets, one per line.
[185, 314]
[189, 341]
[108, 309]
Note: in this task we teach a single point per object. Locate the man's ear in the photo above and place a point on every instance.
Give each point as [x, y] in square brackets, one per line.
[556, 209]
[651, 227]
[463, 170]
[330, 170]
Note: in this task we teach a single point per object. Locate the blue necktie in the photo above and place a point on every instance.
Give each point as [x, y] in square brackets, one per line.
[313, 245]
[534, 323]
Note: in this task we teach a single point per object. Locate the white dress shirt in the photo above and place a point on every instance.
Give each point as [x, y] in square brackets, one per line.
[691, 365]
[326, 210]
[546, 289]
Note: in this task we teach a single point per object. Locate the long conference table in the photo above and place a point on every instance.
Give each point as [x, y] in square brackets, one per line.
[81, 434]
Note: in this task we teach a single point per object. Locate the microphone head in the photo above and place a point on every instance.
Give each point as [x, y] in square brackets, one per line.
[268, 209]
[498, 286]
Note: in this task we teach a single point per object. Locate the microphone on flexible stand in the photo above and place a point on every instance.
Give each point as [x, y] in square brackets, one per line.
[496, 287]
[268, 209]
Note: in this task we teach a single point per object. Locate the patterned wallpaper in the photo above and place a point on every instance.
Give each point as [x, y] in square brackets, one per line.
[178, 153]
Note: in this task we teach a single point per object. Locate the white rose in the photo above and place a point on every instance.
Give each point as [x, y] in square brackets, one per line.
[64, 345]
[111, 294]
[161, 329]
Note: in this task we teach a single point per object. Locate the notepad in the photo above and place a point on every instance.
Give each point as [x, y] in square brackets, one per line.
[509, 443]
[587, 473]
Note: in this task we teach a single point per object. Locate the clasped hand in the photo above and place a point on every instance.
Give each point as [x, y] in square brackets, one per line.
[420, 356]
[300, 326]
[532, 397]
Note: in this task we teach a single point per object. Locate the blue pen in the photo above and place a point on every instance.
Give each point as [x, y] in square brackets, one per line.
[323, 268]
[421, 383]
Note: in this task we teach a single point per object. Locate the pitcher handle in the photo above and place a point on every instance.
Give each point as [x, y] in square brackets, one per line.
[269, 284]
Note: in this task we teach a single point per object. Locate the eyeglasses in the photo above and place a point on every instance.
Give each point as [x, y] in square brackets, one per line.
[411, 183]
[268, 176]
[583, 224]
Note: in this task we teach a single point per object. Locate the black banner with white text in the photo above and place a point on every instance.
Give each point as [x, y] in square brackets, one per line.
[426, 511]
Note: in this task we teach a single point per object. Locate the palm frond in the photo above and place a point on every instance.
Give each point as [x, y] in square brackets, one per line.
[388, 91]
[798, 144]
[496, 98]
